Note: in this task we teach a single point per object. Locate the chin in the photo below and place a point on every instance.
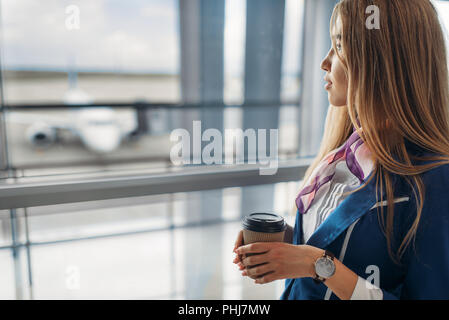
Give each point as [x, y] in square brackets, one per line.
[338, 105]
[336, 102]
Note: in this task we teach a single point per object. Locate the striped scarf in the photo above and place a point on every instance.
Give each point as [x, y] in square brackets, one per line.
[358, 160]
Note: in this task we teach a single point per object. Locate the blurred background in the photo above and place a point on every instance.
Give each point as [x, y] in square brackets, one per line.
[91, 206]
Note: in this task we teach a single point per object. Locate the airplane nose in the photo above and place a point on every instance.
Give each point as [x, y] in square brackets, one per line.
[102, 140]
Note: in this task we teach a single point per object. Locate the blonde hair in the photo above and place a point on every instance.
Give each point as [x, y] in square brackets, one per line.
[397, 90]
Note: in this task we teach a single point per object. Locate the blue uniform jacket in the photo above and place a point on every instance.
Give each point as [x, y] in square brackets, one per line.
[353, 233]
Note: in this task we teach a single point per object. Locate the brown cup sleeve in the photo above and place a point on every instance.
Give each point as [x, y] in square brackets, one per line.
[252, 236]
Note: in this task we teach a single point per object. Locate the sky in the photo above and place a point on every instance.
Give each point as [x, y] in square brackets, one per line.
[135, 35]
[117, 35]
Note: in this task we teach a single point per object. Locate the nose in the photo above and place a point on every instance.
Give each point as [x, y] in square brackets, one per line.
[326, 64]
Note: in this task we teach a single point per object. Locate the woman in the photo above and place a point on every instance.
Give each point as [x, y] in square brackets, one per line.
[373, 212]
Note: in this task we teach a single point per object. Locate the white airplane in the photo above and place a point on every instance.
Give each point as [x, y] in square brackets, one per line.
[101, 129]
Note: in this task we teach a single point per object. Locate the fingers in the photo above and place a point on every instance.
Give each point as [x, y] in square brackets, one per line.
[263, 271]
[258, 271]
[255, 260]
[237, 244]
[258, 247]
[238, 259]
[266, 278]
[239, 240]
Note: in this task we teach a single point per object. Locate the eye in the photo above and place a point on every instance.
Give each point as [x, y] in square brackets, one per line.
[338, 46]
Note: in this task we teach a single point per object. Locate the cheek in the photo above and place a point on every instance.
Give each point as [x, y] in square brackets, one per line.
[340, 78]
[338, 93]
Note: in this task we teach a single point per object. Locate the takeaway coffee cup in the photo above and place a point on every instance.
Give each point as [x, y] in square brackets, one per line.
[263, 227]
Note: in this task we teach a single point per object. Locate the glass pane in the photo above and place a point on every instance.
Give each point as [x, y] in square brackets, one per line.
[127, 59]
[113, 254]
[75, 52]
[5, 228]
[92, 219]
[291, 62]
[128, 267]
[105, 50]
[234, 51]
[192, 263]
[7, 287]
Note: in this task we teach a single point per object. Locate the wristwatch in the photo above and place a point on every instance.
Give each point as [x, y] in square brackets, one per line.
[324, 267]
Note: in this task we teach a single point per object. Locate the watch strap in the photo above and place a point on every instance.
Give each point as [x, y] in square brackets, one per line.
[329, 254]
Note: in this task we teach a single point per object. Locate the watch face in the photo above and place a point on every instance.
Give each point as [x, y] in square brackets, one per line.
[324, 267]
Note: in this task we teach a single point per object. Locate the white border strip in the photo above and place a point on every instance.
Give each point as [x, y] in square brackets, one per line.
[384, 203]
[342, 252]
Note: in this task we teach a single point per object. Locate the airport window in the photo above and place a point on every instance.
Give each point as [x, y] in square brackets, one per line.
[145, 68]
[113, 250]
[108, 50]
[74, 53]
[91, 92]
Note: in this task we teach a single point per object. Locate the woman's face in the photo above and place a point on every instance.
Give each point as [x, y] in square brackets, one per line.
[336, 79]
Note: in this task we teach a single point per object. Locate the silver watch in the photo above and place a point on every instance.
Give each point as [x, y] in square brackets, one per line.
[324, 267]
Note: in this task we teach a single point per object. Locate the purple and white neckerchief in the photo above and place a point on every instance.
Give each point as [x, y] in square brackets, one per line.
[358, 160]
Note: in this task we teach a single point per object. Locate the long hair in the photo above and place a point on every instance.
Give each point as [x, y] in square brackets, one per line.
[398, 90]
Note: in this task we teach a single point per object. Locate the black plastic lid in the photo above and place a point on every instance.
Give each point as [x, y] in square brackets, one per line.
[264, 222]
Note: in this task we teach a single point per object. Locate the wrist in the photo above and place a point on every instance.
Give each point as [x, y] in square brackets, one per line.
[314, 254]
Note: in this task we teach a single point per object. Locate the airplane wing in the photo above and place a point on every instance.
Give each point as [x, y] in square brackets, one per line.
[31, 118]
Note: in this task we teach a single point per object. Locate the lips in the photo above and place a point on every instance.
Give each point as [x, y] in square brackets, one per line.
[328, 84]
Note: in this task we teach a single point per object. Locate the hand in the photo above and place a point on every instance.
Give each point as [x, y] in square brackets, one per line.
[278, 260]
[238, 242]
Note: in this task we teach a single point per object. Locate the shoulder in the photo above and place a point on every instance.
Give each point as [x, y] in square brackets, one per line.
[435, 210]
[436, 182]
[435, 179]
[422, 156]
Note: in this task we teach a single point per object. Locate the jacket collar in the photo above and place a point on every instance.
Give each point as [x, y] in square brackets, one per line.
[353, 207]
